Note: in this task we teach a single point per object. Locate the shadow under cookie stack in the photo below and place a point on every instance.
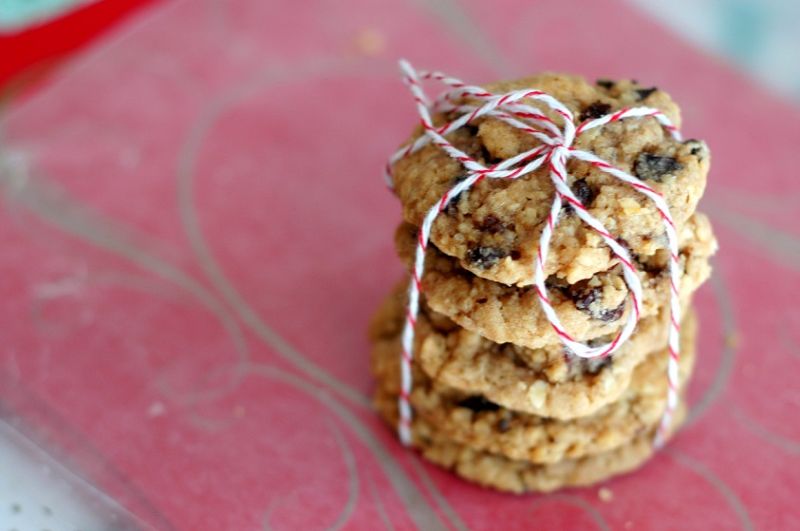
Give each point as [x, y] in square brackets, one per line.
[496, 396]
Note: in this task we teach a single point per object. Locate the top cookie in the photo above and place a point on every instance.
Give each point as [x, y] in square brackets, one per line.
[494, 228]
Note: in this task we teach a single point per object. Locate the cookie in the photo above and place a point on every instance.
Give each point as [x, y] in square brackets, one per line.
[493, 229]
[519, 476]
[543, 381]
[589, 309]
[481, 424]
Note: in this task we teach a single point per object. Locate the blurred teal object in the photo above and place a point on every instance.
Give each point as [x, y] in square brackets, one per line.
[760, 37]
[17, 14]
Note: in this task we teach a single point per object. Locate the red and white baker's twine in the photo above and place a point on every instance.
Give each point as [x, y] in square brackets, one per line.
[555, 149]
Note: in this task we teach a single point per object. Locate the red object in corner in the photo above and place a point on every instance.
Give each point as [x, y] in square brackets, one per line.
[30, 51]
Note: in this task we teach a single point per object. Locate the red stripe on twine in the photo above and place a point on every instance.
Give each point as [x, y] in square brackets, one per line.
[541, 260]
[533, 116]
[612, 346]
[417, 281]
[635, 302]
[674, 288]
[609, 236]
[666, 218]
[617, 115]
[443, 202]
[641, 186]
[672, 354]
[514, 173]
[626, 263]
[533, 93]
[542, 295]
[555, 170]
[561, 333]
[576, 204]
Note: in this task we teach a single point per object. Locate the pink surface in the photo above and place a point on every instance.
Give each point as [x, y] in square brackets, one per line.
[195, 233]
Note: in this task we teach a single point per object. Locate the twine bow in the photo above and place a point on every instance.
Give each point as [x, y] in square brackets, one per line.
[555, 149]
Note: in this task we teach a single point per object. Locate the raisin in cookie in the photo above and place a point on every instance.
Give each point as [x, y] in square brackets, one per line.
[481, 424]
[543, 381]
[493, 229]
[588, 309]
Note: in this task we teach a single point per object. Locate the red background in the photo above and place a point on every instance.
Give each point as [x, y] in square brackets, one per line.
[195, 233]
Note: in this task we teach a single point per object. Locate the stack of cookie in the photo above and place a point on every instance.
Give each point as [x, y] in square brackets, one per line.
[496, 397]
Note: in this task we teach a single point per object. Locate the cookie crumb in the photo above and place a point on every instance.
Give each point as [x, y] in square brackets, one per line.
[731, 340]
[537, 393]
[605, 494]
[156, 409]
[370, 42]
